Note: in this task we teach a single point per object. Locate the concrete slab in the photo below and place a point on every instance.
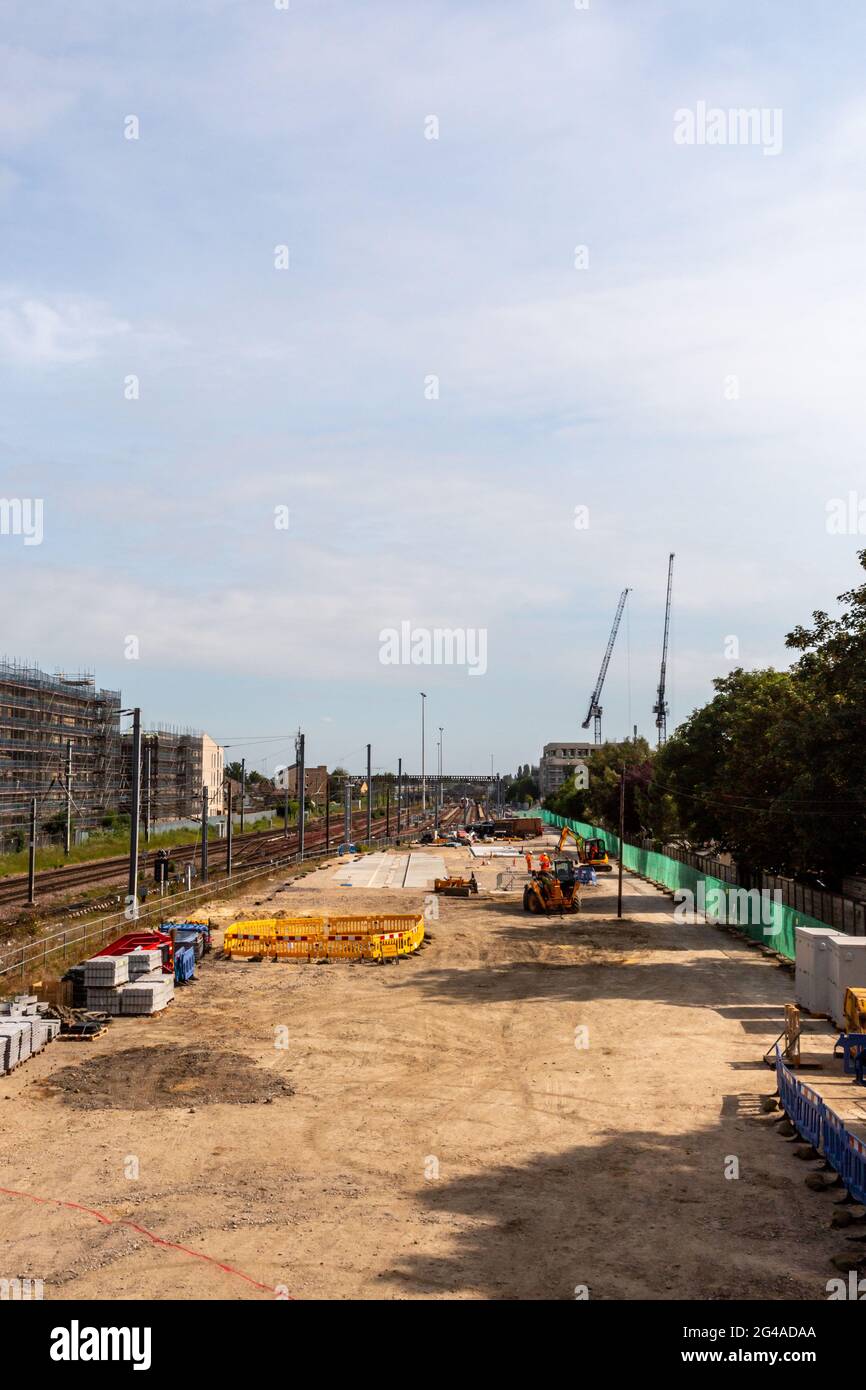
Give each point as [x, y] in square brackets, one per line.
[387, 870]
[422, 869]
[359, 873]
[500, 851]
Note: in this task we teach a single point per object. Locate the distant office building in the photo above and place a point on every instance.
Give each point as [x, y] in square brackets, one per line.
[558, 761]
[42, 717]
[213, 773]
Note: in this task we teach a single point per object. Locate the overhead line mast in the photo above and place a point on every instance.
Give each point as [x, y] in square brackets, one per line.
[594, 712]
[660, 708]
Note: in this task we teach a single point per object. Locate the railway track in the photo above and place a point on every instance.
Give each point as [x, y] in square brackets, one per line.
[254, 847]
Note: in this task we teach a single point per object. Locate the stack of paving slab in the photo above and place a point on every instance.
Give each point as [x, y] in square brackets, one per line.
[24, 1030]
[149, 989]
[134, 983]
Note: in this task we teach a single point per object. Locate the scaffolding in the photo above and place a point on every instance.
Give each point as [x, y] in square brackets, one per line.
[41, 717]
[171, 774]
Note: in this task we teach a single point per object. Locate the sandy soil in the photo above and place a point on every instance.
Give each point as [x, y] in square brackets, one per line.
[427, 1129]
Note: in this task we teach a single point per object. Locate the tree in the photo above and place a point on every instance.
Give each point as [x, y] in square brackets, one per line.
[568, 800]
[598, 803]
[828, 741]
[524, 789]
[338, 779]
[730, 767]
[773, 768]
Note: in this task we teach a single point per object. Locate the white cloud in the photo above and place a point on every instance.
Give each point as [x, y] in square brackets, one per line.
[42, 332]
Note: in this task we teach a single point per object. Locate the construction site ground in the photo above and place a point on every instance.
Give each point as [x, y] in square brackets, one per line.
[528, 1106]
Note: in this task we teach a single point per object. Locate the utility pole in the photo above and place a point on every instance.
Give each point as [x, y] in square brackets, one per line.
[369, 797]
[204, 816]
[67, 843]
[423, 779]
[441, 764]
[621, 829]
[399, 793]
[243, 790]
[498, 795]
[286, 805]
[347, 812]
[135, 811]
[387, 810]
[302, 787]
[147, 797]
[327, 812]
[229, 831]
[31, 858]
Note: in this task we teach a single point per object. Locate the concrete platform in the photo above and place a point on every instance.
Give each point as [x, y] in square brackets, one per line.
[501, 851]
[388, 869]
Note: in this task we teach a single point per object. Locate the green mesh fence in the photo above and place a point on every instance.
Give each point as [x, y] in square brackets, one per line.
[763, 919]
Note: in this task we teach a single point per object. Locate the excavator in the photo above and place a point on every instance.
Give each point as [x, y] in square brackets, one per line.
[592, 851]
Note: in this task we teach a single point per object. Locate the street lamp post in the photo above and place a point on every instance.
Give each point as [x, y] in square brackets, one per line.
[441, 732]
[423, 777]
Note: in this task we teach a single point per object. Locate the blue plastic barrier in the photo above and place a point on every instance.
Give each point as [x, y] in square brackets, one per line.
[823, 1128]
[803, 1106]
[855, 1176]
[810, 1114]
[835, 1146]
[787, 1086]
[184, 964]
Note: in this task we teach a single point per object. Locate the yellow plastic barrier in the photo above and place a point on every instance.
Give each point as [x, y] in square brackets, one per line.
[372, 937]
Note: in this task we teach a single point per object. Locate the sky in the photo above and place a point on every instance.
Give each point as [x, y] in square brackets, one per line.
[298, 344]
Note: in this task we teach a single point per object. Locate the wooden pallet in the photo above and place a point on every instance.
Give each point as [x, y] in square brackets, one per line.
[82, 1037]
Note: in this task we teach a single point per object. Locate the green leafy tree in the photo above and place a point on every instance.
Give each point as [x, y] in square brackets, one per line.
[569, 801]
[731, 767]
[524, 789]
[827, 743]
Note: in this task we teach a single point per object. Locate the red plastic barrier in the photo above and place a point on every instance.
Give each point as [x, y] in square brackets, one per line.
[146, 939]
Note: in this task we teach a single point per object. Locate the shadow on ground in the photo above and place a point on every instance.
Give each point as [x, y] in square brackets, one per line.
[641, 1216]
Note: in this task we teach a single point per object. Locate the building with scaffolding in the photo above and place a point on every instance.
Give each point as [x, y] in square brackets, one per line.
[175, 766]
[49, 723]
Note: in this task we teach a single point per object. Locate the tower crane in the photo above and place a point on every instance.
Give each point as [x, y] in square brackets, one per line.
[594, 712]
[660, 708]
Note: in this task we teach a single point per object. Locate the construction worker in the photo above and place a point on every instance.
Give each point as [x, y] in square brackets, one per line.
[544, 861]
[528, 862]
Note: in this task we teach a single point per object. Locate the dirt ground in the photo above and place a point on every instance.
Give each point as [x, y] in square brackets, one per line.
[434, 1128]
